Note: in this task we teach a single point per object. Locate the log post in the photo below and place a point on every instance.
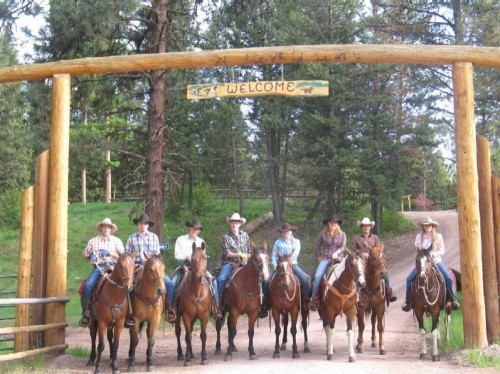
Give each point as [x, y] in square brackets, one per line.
[57, 234]
[40, 244]
[488, 240]
[495, 188]
[468, 207]
[21, 339]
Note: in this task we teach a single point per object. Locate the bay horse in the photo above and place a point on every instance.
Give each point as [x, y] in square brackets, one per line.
[285, 298]
[243, 296]
[341, 297]
[109, 310]
[194, 302]
[428, 295]
[374, 294]
[148, 306]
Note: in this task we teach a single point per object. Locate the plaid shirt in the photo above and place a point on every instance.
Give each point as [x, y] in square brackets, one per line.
[143, 244]
[285, 247]
[98, 243]
[363, 244]
[327, 245]
[235, 244]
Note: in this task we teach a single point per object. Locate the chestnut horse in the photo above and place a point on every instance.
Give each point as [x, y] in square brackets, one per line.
[285, 298]
[194, 302]
[148, 306]
[243, 296]
[110, 308]
[374, 295]
[428, 295]
[341, 297]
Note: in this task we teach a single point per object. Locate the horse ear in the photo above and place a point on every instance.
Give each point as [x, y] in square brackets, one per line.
[253, 245]
[194, 247]
[381, 247]
[148, 257]
[264, 245]
[280, 256]
[203, 245]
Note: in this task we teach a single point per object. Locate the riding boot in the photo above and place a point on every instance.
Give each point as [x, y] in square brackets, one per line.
[169, 310]
[85, 320]
[452, 299]
[391, 295]
[313, 306]
[406, 306]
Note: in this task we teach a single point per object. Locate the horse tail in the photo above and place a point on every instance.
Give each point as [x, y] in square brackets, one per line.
[458, 278]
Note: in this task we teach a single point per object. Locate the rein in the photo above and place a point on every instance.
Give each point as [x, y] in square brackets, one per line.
[285, 290]
[425, 287]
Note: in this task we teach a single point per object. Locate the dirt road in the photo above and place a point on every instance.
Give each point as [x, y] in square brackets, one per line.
[401, 338]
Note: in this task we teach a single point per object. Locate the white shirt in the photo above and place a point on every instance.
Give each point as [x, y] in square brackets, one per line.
[427, 243]
[184, 246]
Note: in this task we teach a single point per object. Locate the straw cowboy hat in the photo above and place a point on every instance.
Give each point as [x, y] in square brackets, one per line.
[143, 218]
[430, 221]
[236, 217]
[366, 221]
[286, 227]
[195, 224]
[106, 222]
[332, 218]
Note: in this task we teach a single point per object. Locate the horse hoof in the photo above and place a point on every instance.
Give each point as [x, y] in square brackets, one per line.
[359, 349]
[187, 363]
[423, 356]
[151, 368]
[295, 355]
[383, 352]
[234, 349]
[217, 352]
[90, 363]
[228, 357]
[283, 347]
[374, 345]
[276, 355]
[253, 357]
[307, 350]
[330, 357]
[436, 358]
[352, 359]
[204, 362]
[180, 357]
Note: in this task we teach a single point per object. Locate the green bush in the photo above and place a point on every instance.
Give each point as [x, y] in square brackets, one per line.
[10, 209]
[204, 201]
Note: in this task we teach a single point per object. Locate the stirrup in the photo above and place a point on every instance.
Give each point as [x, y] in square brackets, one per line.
[170, 316]
[406, 306]
[84, 321]
[129, 321]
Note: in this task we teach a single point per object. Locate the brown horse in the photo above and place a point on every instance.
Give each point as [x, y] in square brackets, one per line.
[148, 304]
[374, 294]
[194, 302]
[110, 309]
[243, 296]
[285, 298]
[428, 295]
[341, 297]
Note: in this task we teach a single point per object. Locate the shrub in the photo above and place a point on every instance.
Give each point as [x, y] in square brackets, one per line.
[10, 209]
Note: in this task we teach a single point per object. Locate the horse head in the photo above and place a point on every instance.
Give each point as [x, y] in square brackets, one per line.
[356, 266]
[154, 270]
[284, 270]
[260, 259]
[377, 261]
[199, 262]
[124, 270]
[423, 262]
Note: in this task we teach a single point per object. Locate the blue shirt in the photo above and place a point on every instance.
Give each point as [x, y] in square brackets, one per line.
[285, 247]
[143, 244]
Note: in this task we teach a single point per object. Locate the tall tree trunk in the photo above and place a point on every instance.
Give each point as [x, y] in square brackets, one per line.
[190, 190]
[274, 175]
[285, 172]
[108, 174]
[377, 216]
[237, 178]
[84, 170]
[155, 175]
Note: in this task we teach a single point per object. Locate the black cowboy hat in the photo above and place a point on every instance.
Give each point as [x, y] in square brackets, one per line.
[195, 224]
[285, 226]
[143, 218]
[332, 218]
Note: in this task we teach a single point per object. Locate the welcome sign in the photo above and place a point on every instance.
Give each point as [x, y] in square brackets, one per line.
[264, 88]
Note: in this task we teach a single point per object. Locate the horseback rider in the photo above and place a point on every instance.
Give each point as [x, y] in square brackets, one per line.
[183, 251]
[428, 238]
[330, 246]
[363, 243]
[146, 243]
[102, 251]
[287, 245]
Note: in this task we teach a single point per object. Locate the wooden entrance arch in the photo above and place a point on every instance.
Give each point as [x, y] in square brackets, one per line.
[462, 59]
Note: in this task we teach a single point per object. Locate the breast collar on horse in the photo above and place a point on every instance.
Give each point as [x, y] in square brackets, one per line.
[115, 308]
[343, 297]
[139, 273]
[250, 295]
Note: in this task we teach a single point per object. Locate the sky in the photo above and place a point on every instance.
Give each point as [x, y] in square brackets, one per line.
[24, 46]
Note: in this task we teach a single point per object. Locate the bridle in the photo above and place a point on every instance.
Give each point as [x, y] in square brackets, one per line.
[123, 280]
[284, 287]
[198, 266]
[424, 287]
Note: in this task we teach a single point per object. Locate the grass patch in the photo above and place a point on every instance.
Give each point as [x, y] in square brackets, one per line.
[37, 364]
[479, 359]
[78, 352]
[456, 340]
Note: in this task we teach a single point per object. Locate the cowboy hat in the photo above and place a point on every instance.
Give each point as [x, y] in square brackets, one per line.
[143, 218]
[195, 224]
[430, 221]
[332, 218]
[366, 221]
[107, 222]
[286, 227]
[236, 217]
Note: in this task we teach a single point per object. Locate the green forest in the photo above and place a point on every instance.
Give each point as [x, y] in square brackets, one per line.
[384, 132]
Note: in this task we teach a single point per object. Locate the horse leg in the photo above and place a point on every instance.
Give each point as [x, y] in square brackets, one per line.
[380, 328]
[152, 328]
[447, 320]
[435, 335]
[285, 332]
[114, 348]
[218, 327]
[374, 321]
[361, 329]
[330, 332]
[277, 331]
[178, 331]
[100, 347]
[231, 333]
[293, 330]
[188, 325]
[93, 335]
[420, 320]
[251, 324]
[305, 315]
[203, 337]
[134, 340]
[350, 335]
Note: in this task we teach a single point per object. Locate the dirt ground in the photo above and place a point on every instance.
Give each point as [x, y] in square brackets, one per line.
[401, 333]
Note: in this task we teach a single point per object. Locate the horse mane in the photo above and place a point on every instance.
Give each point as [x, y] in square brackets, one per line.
[377, 250]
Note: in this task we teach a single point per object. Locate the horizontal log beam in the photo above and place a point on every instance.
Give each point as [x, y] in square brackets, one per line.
[33, 352]
[345, 53]
[12, 330]
[45, 300]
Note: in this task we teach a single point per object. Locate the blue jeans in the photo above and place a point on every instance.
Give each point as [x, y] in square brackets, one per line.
[92, 281]
[303, 278]
[169, 285]
[387, 281]
[320, 271]
[442, 269]
[224, 273]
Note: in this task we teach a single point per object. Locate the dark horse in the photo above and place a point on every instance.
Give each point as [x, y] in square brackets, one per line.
[194, 302]
[341, 297]
[374, 294]
[428, 295]
[110, 308]
[148, 305]
[243, 296]
[285, 298]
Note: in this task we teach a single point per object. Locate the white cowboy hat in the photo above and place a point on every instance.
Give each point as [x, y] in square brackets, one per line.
[106, 221]
[430, 221]
[366, 221]
[236, 217]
